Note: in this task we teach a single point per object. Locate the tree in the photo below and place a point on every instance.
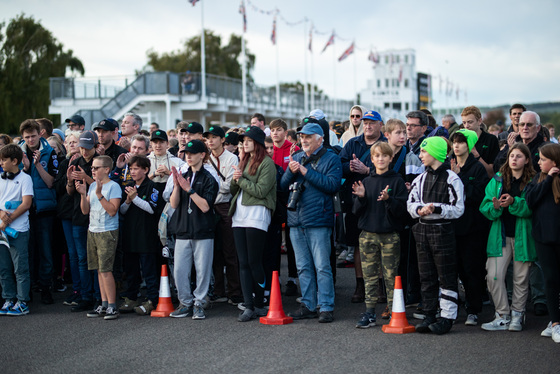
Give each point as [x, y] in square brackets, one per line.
[29, 56]
[493, 116]
[220, 60]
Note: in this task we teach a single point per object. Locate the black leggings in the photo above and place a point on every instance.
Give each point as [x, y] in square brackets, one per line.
[549, 258]
[250, 246]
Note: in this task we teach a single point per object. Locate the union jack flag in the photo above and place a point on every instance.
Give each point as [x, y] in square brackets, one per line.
[347, 53]
[193, 2]
[373, 57]
[329, 42]
[242, 11]
[273, 35]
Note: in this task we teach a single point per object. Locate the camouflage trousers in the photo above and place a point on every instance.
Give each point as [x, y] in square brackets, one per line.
[376, 251]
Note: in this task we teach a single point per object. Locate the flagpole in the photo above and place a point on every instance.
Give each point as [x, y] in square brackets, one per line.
[312, 82]
[334, 79]
[355, 85]
[244, 62]
[277, 75]
[202, 53]
[305, 46]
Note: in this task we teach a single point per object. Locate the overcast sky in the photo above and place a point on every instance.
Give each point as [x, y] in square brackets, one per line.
[499, 51]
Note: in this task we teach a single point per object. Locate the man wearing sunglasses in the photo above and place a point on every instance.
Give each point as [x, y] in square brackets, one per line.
[76, 123]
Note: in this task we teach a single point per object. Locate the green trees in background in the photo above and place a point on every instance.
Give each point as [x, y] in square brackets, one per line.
[220, 59]
[29, 55]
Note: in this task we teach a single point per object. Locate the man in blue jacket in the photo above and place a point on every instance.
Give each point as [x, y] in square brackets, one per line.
[41, 163]
[313, 176]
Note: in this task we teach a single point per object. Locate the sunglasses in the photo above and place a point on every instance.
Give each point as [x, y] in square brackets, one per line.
[355, 116]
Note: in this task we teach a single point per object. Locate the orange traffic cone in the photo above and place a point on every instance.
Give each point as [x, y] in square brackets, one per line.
[276, 314]
[164, 307]
[399, 323]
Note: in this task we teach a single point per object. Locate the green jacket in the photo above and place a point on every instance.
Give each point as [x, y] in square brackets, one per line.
[258, 189]
[524, 244]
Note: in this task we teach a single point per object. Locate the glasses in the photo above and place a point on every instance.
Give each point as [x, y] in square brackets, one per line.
[355, 116]
[71, 125]
[95, 168]
[526, 124]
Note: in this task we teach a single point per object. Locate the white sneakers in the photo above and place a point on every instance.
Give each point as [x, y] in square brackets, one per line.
[552, 331]
[472, 320]
[498, 324]
[517, 320]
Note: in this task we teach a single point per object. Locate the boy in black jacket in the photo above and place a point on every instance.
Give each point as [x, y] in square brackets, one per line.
[472, 228]
[379, 202]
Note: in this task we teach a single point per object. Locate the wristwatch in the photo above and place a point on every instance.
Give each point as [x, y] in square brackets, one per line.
[191, 191]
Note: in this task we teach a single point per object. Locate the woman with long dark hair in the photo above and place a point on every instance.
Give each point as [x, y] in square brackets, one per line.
[254, 198]
[510, 238]
[543, 197]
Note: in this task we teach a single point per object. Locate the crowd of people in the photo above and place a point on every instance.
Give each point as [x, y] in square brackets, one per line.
[443, 206]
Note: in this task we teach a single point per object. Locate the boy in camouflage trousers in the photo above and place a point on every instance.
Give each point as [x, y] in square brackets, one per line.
[380, 204]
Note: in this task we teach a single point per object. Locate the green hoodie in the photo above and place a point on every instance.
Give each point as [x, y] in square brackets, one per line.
[524, 244]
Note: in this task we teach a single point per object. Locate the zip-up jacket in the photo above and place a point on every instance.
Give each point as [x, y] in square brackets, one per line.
[44, 198]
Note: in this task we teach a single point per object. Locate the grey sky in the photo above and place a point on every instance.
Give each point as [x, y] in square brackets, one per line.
[499, 51]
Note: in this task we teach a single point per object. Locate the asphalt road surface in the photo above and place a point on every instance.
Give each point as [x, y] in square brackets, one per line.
[51, 339]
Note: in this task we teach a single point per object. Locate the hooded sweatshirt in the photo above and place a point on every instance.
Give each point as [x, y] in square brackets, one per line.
[351, 133]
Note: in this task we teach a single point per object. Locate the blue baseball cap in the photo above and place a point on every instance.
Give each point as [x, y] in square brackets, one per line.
[312, 128]
[372, 115]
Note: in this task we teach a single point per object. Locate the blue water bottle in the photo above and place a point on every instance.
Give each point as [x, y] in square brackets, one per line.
[12, 204]
[11, 232]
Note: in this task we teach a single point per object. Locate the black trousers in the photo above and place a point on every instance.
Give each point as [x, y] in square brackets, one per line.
[549, 258]
[437, 259]
[471, 266]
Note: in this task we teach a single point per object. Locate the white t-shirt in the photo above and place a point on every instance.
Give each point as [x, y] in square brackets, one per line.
[253, 216]
[99, 219]
[14, 190]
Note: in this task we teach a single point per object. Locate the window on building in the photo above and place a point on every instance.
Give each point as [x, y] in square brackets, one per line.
[387, 105]
[397, 106]
[406, 83]
[406, 107]
[398, 83]
[406, 59]
[379, 83]
[386, 82]
[387, 59]
[398, 59]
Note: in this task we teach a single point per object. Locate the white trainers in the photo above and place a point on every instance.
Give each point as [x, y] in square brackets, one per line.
[556, 333]
[547, 333]
[517, 320]
[472, 320]
[499, 323]
[342, 255]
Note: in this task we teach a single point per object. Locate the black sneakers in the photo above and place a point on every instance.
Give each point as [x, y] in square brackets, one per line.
[442, 326]
[303, 313]
[326, 317]
[46, 297]
[424, 326]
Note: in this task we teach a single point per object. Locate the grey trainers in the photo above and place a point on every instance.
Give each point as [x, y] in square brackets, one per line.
[499, 323]
[247, 315]
[517, 321]
[198, 312]
[548, 331]
[472, 320]
[182, 311]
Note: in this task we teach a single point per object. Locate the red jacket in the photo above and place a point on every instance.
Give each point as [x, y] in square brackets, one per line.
[281, 155]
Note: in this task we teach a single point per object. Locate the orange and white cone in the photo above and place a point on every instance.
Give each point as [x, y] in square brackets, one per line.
[399, 324]
[165, 306]
[275, 314]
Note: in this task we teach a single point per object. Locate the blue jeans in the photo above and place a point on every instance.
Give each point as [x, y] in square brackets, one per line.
[312, 249]
[79, 233]
[15, 261]
[40, 246]
[72, 254]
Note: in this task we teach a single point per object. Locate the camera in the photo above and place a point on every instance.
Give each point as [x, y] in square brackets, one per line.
[296, 189]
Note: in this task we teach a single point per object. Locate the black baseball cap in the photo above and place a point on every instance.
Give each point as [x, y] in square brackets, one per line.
[159, 135]
[108, 124]
[76, 118]
[215, 130]
[194, 128]
[232, 138]
[195, 146]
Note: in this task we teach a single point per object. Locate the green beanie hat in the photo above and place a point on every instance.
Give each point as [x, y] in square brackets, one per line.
[436, 146]
[471, 136]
